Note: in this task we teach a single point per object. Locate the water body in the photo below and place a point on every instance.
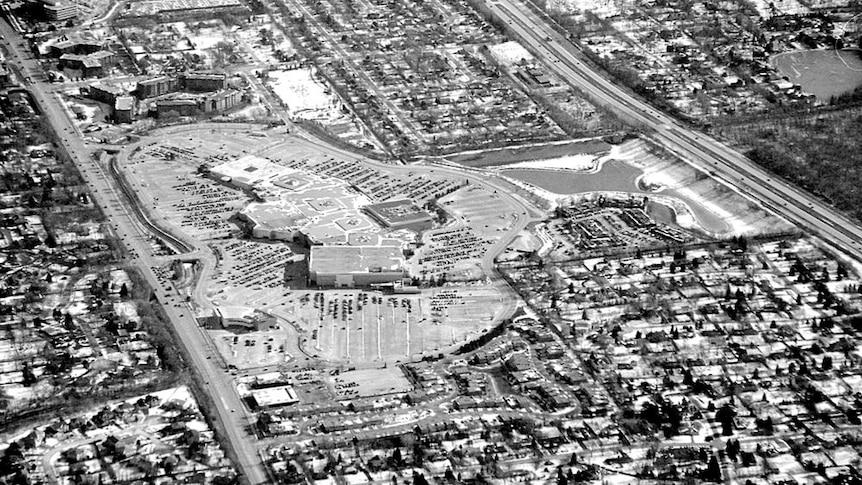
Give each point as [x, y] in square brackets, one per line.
[823, 72]
[615, 176]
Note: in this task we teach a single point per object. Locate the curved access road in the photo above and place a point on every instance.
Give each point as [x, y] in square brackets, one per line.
[704, 152]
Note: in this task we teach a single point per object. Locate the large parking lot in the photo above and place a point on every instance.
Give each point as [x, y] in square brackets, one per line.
[480, 218]
[360, 326]
[342, 326]
[254, 349]
[369, 382]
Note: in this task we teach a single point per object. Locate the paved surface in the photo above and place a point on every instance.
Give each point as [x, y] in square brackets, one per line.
[700, 150]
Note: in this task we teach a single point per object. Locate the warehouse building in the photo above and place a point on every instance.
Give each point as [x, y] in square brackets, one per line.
[270, 397]
[352, 266]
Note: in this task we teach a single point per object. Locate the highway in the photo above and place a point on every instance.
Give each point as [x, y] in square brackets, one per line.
[706, 153]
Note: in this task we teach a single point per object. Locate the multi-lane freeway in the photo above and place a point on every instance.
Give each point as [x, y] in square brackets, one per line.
[698, 149]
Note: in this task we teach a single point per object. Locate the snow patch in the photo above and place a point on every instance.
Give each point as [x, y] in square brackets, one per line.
[578, 163]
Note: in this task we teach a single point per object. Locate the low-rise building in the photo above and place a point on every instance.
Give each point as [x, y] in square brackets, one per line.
[89, 64]
[179, 107]
[124, 109]
[59, 10]
[204, 81]
[105, 93]
[156, 86]
[351, 266]
[400, 214]
[269, 397]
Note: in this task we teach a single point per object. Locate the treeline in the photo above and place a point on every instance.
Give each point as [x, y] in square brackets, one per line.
[156, 323]
[819, 154]
[483, 339]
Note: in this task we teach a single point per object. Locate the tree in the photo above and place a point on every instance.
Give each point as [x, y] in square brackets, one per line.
[713, 470]
[687, 378]
[28, 376]
[725, 416]
[419, 479]
[732, 449]
[449, 476]
[124, 291]
[765, 425]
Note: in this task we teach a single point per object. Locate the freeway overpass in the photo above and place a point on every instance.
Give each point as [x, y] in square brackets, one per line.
[706, 153]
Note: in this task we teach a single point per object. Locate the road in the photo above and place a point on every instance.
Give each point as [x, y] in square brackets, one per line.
[706, 153]
[227, 408]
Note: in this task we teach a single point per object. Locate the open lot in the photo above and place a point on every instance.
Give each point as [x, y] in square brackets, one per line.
[198, 206]
[255, 349]
[359, 326]
[369, 382]
[479, 217]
